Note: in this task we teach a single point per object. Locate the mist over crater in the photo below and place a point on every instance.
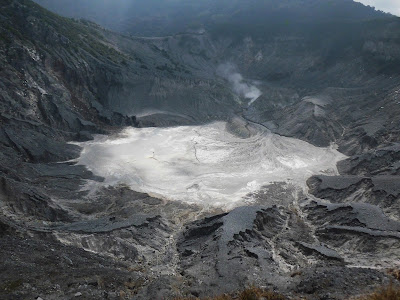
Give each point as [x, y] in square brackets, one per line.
[206, 165]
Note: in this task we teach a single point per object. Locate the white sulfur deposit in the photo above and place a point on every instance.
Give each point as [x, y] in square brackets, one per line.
[203, 164]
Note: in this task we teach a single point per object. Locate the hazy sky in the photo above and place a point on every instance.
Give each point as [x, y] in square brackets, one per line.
[391, 6]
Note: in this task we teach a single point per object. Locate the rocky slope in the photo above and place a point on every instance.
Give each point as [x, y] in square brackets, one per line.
[330, 78]
[61, 81]
[64, 80]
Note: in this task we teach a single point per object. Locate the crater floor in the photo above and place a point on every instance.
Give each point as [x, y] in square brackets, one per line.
[207, 165]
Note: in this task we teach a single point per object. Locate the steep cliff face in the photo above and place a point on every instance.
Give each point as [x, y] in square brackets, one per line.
[51, 93]
[54, 72]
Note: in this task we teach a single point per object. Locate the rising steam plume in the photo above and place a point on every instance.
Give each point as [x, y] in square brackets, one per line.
[239, 84]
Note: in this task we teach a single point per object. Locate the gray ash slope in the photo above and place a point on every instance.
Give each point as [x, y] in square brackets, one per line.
[64, 80]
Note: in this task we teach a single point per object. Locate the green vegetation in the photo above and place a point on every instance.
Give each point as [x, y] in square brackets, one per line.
[11, 286]
[73, 33]
[395, 273]
[7, 32]
[385, 293]
[251, 293]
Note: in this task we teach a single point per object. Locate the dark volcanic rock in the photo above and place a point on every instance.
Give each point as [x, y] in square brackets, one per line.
[337, 282]
[248, 245]
[382, 191]
[38, 147]
[51, 270]
[23, 200]
[382, 161]
[279, 249]
[361, 233]
[220, 251]
[165, 120]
